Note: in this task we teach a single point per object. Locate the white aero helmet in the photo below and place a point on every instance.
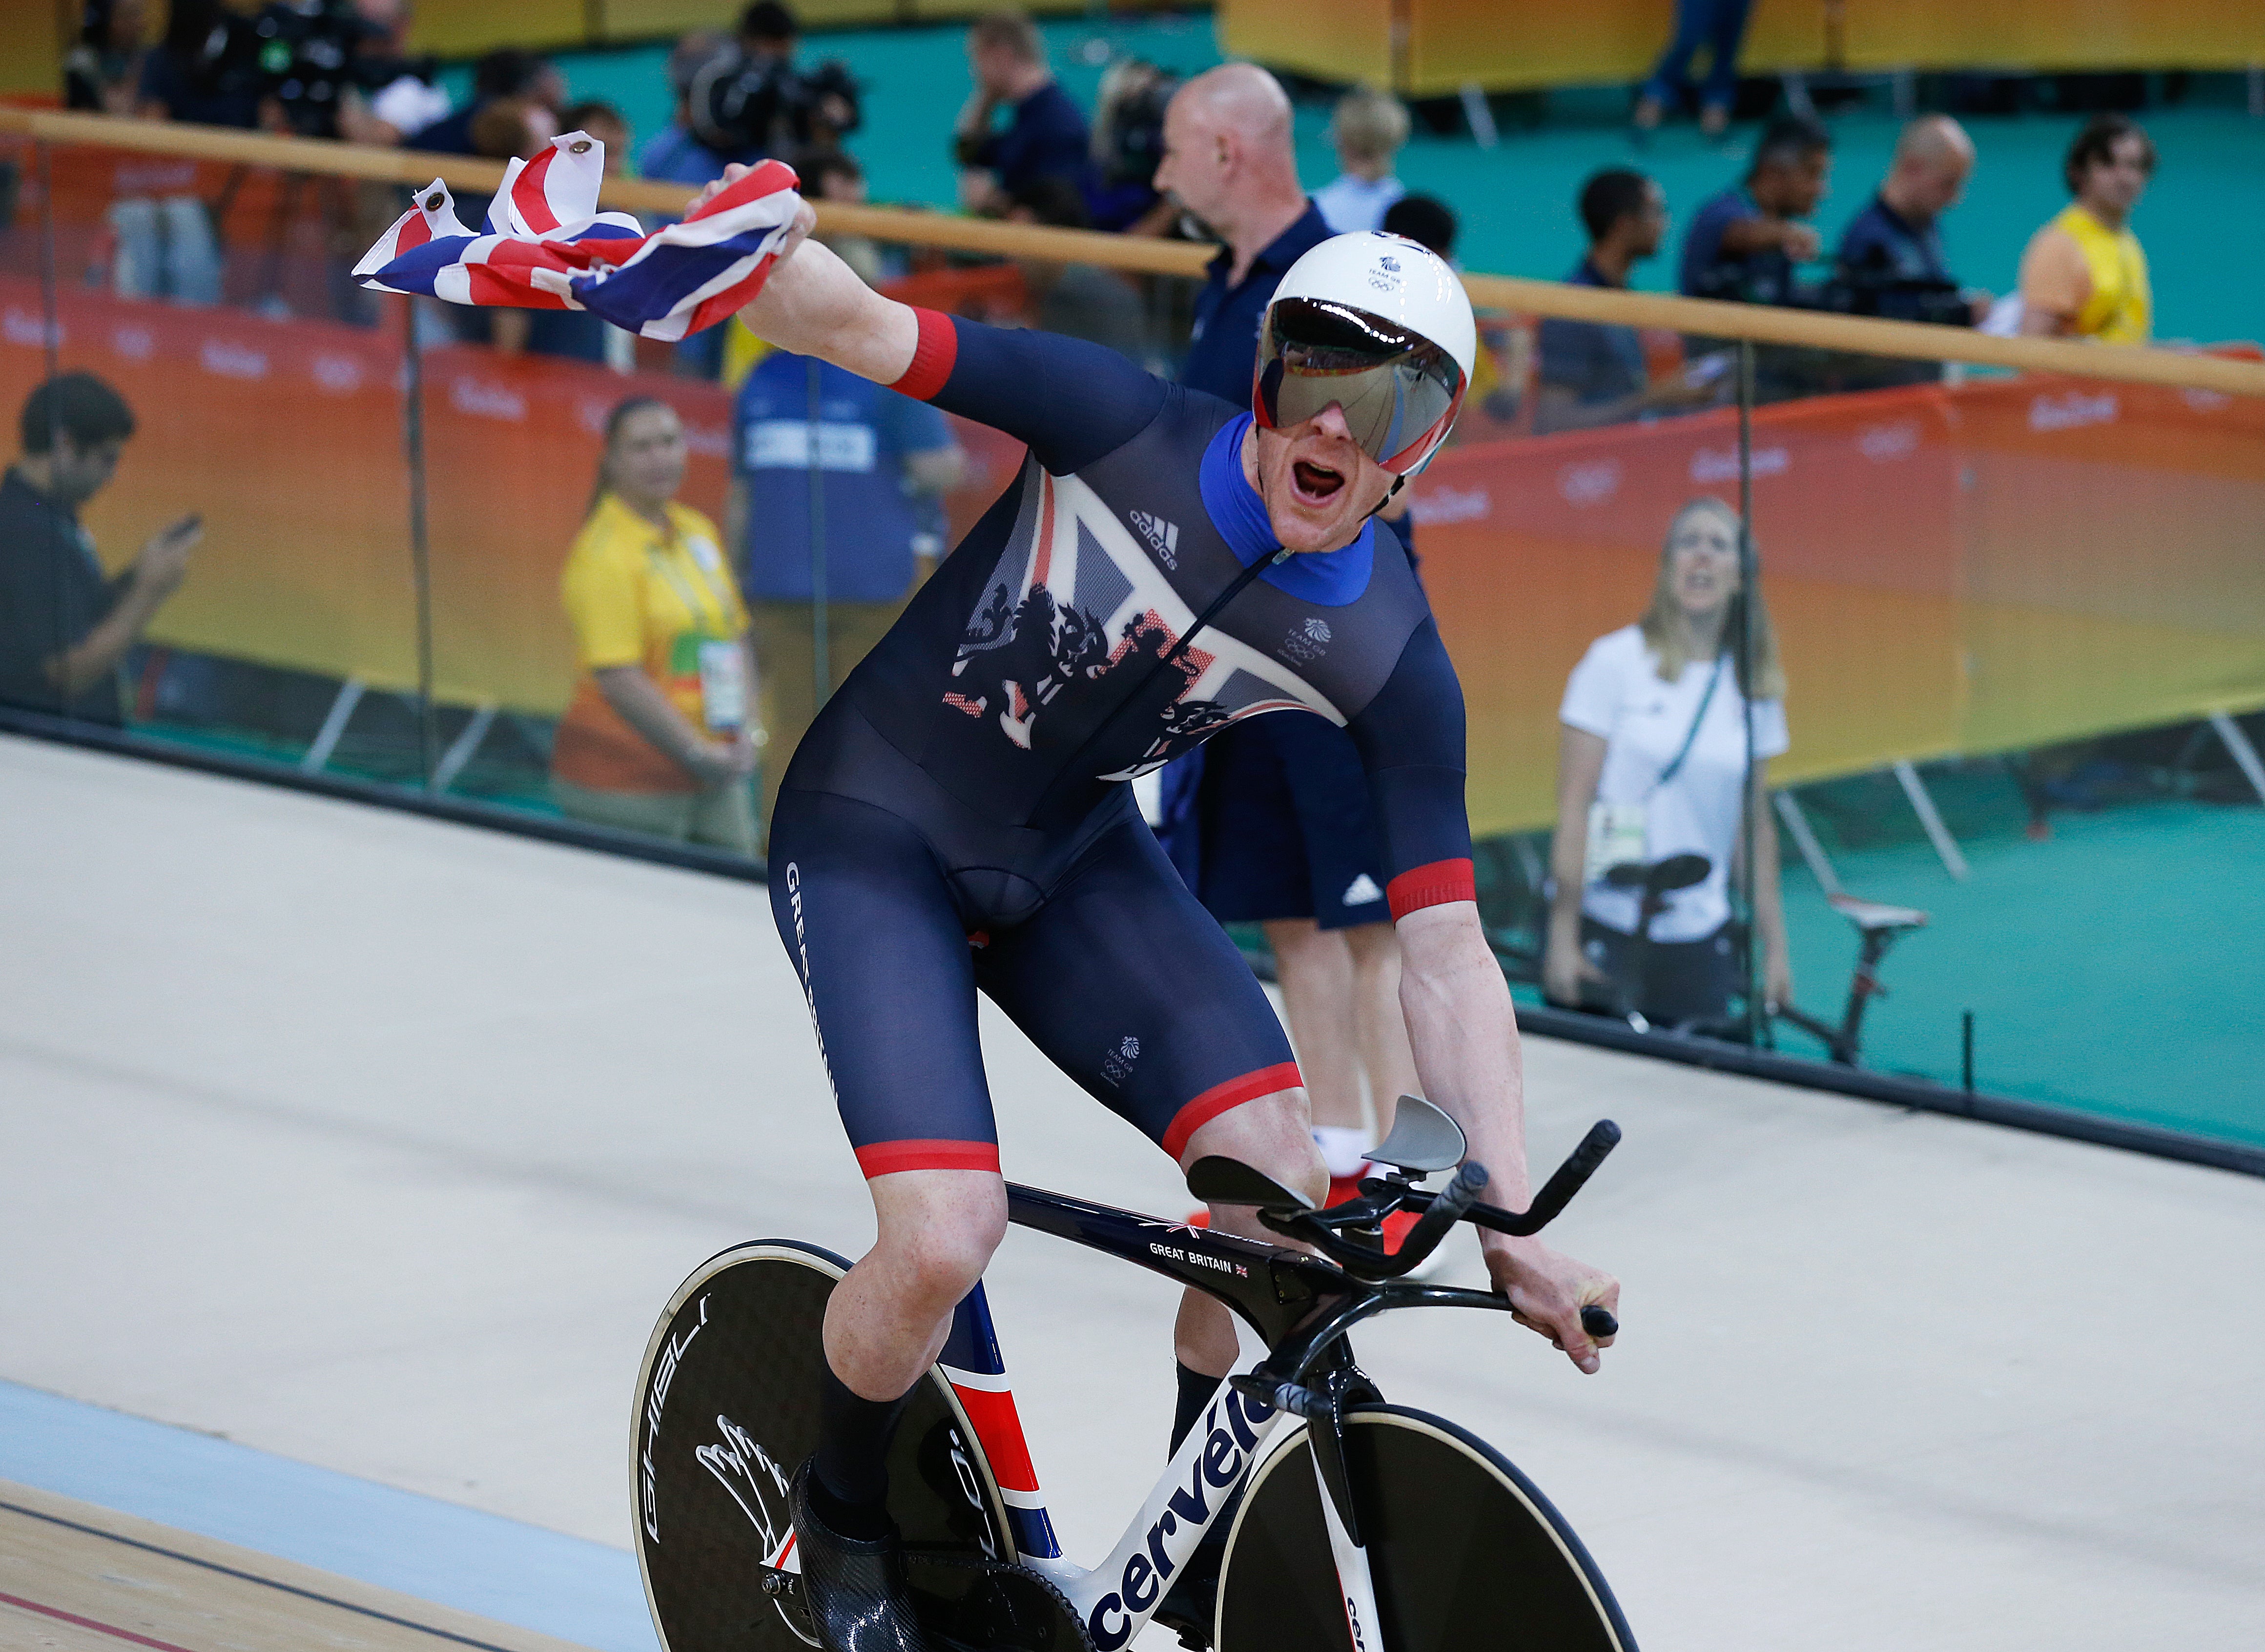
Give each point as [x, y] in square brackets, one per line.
[1379, 325]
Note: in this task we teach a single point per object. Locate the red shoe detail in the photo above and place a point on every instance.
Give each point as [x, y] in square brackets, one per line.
[1395, 1230]
[1342, 1188]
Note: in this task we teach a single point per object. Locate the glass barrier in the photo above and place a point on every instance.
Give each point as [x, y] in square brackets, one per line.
[2011, 788]
[2001, 688]
[253, 588]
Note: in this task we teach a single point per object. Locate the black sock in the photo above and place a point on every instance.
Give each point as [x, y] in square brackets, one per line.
[849, 1477]
[1196, 1392]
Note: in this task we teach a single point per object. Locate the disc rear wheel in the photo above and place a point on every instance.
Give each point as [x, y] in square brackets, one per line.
[727, 1409]
[1464, 1550]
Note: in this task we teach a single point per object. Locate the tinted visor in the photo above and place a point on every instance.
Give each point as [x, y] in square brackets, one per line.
[1397, 388]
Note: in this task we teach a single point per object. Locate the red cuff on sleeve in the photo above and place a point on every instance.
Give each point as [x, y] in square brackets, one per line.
[932, 357]
[1434, 885]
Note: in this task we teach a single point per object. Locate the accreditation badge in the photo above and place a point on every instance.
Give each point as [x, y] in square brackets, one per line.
[723, 685]
[1616, 837]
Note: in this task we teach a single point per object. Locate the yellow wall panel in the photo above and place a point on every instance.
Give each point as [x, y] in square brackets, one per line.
[1333, 40]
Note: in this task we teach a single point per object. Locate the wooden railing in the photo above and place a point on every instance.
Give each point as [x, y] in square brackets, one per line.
[1707, 317]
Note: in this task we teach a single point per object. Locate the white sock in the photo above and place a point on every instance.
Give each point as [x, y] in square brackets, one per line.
[1344, 1148]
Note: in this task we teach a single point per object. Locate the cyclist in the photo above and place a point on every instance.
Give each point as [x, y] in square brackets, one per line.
[957, 819]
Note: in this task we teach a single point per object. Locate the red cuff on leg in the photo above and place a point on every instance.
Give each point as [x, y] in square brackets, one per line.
[1220, 1097]
[932, 358]
[886, 1158]
[1433, 884]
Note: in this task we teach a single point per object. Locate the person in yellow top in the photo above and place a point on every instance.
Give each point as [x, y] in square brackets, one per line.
[657, 738]
[2084, 275]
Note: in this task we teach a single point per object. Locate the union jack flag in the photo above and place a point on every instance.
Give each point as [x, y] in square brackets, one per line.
[546, 246]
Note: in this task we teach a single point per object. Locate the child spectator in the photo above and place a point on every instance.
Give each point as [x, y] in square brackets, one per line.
[1368, 129]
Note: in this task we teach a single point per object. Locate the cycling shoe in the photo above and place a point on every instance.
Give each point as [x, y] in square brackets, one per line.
[856, 1590]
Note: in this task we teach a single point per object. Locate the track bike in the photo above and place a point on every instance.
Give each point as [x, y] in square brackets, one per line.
[1352, 1524]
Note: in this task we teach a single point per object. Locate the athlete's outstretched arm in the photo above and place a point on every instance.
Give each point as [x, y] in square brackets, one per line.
[1465, 1034]
[815, 305]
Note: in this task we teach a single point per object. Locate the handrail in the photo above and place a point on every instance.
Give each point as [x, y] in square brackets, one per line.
[1707, 317]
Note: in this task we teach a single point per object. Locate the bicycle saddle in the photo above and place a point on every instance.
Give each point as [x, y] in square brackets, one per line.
[1868, 915]
[1660, 878]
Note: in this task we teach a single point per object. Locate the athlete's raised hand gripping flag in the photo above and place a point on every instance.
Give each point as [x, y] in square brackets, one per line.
[546, 246]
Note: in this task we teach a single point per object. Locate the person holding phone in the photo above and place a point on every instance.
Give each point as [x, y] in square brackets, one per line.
[1652, 763]
[65, 623]
[658, 737]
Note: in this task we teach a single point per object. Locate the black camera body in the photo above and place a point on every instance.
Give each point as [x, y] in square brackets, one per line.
[761, 103]
[1133, 145]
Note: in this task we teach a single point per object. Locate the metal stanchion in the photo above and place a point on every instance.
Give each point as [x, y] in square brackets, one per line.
[420, 559]
[1748, 584]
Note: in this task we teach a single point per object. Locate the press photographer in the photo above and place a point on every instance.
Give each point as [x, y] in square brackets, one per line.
[753, 100]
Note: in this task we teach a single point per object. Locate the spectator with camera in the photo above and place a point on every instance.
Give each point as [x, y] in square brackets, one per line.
[1367, 128]
[389, 93]
[674, 154]
[1128, 141]
[2084, 275]
[205, 70]
[1747, 241]
[65, 625]
[1046, 135]
[1890, 260]
[752, 101]
[1593, 373]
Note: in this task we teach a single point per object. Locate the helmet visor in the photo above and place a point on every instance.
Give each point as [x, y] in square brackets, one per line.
[1397, 389]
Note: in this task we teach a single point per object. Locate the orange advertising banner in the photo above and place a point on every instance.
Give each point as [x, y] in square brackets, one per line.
[1982, 568]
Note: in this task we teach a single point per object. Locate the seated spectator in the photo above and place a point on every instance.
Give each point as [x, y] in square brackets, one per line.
[1084, 300]
[1744, 244]
[393, 93]
[1890, 260]
[1367, 128]
[206, 70]
[103, 69]
[65, 626]
[752, 99]
[656, 739]
[505, 73]
[675, 155]
[2084, 275]
[1652, 763]
[1592, 372]
[879, 460]
[1045, 136]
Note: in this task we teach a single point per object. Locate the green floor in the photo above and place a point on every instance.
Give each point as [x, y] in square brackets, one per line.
[2203, 221]
[2113, 967]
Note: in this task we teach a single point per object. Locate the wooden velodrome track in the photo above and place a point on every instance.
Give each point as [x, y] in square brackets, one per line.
[77, 1578]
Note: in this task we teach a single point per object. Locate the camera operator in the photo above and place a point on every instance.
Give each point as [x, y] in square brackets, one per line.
[752, 101]
[1128, 142]
[1890, 260]
[1745, 243]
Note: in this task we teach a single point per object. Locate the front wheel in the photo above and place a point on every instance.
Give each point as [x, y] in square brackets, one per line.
[1464, 1551]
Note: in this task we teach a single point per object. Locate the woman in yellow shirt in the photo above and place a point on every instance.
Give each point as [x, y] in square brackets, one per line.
[2083, 275]
[656, 740]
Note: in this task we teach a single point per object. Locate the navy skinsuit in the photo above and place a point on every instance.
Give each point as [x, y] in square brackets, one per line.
[957, 819]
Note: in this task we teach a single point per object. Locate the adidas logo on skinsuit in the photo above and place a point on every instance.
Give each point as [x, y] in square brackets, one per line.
[1361, 892]
[1162, 537]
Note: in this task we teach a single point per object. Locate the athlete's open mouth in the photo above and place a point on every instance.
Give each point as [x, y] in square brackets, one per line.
[1315, 483]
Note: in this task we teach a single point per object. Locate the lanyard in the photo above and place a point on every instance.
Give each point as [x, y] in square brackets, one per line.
[1675, 764]
[663, 566]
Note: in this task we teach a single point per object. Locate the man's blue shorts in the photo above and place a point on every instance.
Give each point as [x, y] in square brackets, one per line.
[1288, 828]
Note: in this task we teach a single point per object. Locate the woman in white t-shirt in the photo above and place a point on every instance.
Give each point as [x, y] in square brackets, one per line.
[1651, 763]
